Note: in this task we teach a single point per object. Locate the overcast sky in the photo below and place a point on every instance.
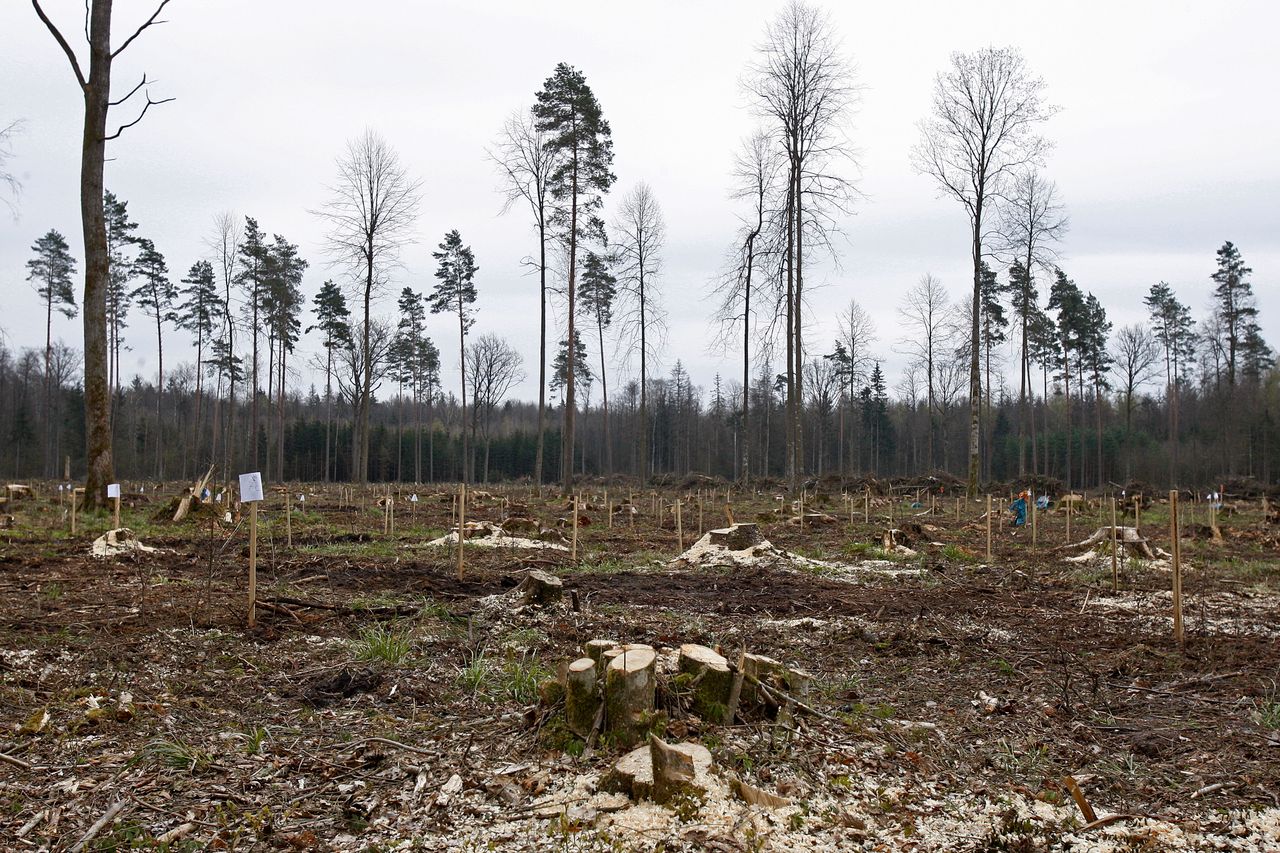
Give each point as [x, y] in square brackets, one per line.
[1166, 144]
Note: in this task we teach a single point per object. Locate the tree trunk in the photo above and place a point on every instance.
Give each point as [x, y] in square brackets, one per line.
[566, 441]
[542, 345]
[97, 399]
[975, 374]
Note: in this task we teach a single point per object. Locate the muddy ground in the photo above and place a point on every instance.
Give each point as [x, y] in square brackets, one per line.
[382, 703]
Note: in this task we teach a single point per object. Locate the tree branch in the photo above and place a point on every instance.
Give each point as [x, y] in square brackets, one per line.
[132, 92]
[122, 128]
[152, 20]
[62, 42]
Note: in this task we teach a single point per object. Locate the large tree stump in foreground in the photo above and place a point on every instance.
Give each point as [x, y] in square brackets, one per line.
[636, 774]
[630, 682]
[711, 684]
[581, 699]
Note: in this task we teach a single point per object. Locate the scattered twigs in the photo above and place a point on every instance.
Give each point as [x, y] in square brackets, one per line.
[16, 762]
[100, 825]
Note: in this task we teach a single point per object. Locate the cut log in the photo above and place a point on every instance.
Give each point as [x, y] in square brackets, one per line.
[739, 537]
[630, 682]
[633, 773]
[540, 588]
[596, 649]
[712, 681]
[581, 699]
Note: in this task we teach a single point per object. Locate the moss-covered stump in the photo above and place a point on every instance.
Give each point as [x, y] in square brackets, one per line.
[711, 682]
[595, 649]
[581, 699]
[630, 682]
[634, 774]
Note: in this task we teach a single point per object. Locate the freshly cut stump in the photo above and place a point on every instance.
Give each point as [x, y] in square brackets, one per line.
[673, 771]
[540, 588]
[630, 681]
[596, 649]
[633, 774]
[712, 681]
[763, 669]
[581, 699]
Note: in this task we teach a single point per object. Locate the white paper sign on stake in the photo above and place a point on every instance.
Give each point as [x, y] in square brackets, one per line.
[251, 487]
[302, 499]
[413, 498]
[113, 490]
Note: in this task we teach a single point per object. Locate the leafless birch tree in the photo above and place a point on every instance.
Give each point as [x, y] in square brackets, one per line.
[983, 130]
[371, 212]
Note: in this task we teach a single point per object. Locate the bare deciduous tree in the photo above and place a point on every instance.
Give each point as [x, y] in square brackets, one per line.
[983, 131]
[1031, 222]
[929, 318]
[8, 180]
[526, 164]
[802, 83]
[493, 369]
[96, 88]
[641, 232]
[1136, 360]
[755, 173]
[371, 211]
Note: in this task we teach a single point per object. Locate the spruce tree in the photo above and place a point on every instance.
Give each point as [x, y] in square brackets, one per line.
[121, 237]
[1234, 304]
[1174, 328]
[567, 111]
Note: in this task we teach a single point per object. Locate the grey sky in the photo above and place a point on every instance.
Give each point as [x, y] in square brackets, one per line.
[1165, 146]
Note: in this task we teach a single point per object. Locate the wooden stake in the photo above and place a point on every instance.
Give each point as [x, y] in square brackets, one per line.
[573, 555]
[699, 515]
[988, 527]
[73, 511]
[253, 564]
[115, 518]
[1137, 514]
[1034, 528]
[1069, 503]
[462, 517]
[1176, 548]
[679, 527]
[608, 509]
[288, 520]
[1115, 559]
[866, 506]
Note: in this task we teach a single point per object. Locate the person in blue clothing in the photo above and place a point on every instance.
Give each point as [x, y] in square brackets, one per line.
[1019, 510]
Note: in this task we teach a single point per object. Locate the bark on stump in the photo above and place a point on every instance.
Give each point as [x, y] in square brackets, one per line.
[596, 649]
[540, 588]
[630, 682]
[712, 681]
[634, 772]
[739, 537]
[581, 699]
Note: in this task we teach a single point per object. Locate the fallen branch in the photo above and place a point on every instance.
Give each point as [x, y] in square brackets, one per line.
[101, 824]
[16, 762]
[395, 743]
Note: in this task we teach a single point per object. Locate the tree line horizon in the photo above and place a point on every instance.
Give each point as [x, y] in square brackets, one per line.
[1174, 401]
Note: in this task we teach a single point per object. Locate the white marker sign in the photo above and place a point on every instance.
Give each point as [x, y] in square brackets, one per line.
[251, 487]
[413, 498]
[113, 490]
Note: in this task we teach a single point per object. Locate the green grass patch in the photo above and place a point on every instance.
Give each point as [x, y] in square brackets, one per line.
[390, 644]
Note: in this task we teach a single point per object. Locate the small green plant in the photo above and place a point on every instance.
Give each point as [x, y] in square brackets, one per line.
[388, 643]
[959, 555]
[175, 754]
[52, 591]
[254, 739]
[1268, 708]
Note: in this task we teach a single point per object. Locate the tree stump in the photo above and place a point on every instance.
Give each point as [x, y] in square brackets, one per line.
[630, 682]
[739, 537]
[634, 774]
[712, 681]
[673, 771]
[595, 649]
[581, 699]
[540, 588]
